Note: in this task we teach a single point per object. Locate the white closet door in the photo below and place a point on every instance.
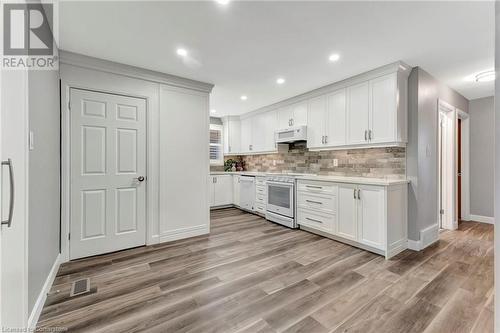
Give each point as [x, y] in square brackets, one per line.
[108, 159]
[336, 119]
[383, 92]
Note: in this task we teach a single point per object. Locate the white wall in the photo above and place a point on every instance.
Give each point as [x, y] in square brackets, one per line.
[482, 161]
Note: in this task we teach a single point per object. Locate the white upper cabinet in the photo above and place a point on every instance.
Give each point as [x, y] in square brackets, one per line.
[358, 109]
[336, 119]
[292, 115]
[383, 109]
[285, 116]
[232, 135]
[263, 132]
[316, 115]
[246, 135]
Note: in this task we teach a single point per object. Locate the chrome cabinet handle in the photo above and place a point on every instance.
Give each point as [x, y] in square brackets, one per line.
[354, 194]
[317, 221]
[8, 222]
[359, 194]
[291, 120]
[312, 186]
[326, 138]
[366, 132]
[316, 202]
[369, 134]
[322, 139]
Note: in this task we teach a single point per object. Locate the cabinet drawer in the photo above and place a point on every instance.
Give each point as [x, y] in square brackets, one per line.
[310, 186]
[260, 181]
[319, 202]
[260, 208]
[260, 189]
[316, 220]
[260, 198]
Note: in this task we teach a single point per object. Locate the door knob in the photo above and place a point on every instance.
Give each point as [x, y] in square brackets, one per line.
[140, 178]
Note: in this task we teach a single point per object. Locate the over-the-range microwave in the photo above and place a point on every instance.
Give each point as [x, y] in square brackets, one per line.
[292, 134]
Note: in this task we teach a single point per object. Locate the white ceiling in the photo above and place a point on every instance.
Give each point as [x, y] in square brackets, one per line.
[243, 47]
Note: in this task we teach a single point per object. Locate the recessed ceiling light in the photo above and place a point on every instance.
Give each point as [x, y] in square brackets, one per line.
[334, 57]
[182, 52]
[222, 2]
[280, 80]
[244, 97]
[486, 76]
[213, 111]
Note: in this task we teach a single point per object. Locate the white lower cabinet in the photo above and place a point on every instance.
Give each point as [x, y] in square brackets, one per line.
[372, 217]
[260, 195]
[220, 189]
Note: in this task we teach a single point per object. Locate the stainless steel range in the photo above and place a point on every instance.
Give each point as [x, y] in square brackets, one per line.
[281, 200]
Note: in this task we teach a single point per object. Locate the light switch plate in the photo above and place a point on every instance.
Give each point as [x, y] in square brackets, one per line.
[335, 162]
[31, 140]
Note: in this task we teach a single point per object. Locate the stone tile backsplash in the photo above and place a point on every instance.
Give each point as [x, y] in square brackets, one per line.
[369, 162]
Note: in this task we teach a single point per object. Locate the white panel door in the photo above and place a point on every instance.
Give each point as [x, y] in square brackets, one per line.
[316, 122]
[371, 216]
[383, 94]
[336, 119]
[285, 116]
[347, 211]
[357, 113]
[223, 190]
[108, 173]
[299, 112]
[246, 135]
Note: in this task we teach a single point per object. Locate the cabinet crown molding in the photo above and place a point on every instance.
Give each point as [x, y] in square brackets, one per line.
[80, 60]
[398, 66]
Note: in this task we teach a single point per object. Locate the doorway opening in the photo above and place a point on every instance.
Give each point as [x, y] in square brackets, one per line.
[453, 166]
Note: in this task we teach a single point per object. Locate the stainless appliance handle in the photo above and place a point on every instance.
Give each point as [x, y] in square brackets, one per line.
[279, 184]
[8, 222]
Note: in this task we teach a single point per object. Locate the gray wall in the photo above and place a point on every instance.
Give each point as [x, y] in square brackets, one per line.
[482, 157]
[422, 163]
[497, 165]
[44, 162]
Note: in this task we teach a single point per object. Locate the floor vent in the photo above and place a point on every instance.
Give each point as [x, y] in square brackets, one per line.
[79, 287]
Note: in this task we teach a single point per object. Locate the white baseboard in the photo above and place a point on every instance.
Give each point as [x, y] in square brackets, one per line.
[414, 245]
[428, 236]
[182, 233]
[40, 301]
[483, 219]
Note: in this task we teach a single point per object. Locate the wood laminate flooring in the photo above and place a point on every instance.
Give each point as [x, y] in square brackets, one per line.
[250, 275]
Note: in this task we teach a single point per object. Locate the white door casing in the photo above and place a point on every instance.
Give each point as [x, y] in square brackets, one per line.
[108, 157]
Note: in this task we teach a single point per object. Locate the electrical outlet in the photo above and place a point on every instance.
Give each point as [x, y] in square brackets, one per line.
[335, 162]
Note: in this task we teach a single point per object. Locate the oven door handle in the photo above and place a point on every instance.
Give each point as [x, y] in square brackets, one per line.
[280, 184]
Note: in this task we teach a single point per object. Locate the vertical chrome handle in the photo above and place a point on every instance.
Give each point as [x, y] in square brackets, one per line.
[291, 121]
[322, 139]
[369, 134]
[326, 138]
[354, 194]
[8, 222]
[366, 132]
[359, 194]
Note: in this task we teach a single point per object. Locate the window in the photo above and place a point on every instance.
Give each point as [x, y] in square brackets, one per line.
[216, 154]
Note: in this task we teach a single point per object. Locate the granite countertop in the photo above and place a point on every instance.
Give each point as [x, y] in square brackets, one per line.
[337, 179]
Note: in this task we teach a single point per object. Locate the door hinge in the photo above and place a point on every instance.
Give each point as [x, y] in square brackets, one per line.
[441, 212]
[69, 105]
